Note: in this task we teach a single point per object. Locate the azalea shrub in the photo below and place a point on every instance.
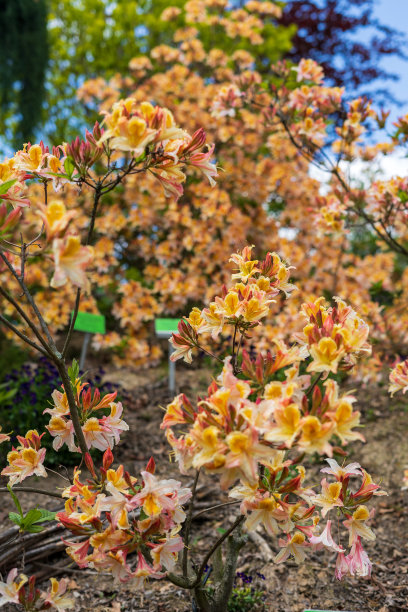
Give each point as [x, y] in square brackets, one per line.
[274, 404]
[261, 417]
[270, 123]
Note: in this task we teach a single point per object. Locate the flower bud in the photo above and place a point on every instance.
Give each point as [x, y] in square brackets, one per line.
[107, 459]
[151, 466]
[89, 464]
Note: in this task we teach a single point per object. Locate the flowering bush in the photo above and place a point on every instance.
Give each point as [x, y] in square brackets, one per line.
[263, 414]
[153, 257]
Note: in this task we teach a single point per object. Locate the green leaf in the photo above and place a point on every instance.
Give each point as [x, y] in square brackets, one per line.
[143, 515]
[31, 517]
[69, 166]
[4, 187]
[34, 528]
[46, 515]
[16, 518]
[73, 372]
[15, 500]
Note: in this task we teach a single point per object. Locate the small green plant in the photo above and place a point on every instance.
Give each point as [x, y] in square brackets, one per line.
[247, 593]
[29, 522]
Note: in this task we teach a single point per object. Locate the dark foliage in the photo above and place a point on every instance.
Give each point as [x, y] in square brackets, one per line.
[346, 39]
[24, 54]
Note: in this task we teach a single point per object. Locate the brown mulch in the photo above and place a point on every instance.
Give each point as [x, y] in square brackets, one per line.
[286, 587]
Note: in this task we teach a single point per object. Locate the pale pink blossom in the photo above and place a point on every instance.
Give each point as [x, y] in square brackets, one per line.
[9, 590]
[326, 539]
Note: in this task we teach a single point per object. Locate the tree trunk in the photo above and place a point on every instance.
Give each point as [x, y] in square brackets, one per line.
[215, 598]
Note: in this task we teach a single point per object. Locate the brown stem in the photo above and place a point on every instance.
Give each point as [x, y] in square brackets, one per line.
[201, 348]
[314, 383]
[240, 519]
[73, 408]
[27, 340]
[233, 357]
[32, 303]
[26, 318]
[188, 525]
[97, 197]
[210, 508]
[32, 490]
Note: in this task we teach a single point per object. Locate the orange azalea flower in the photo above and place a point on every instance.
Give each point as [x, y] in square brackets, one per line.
[24, 463]
[71, 260]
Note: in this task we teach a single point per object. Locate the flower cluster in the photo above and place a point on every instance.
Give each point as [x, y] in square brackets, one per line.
[156, 145]
[117, 516]
[100, 431]
[399, 378]
[258, 410]
[151, 133]
[22, 591]
[334, 336]
[25, 460]
[243, 305]
[232, 430]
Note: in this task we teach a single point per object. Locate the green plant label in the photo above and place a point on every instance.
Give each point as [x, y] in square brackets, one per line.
[166, 327]
[88, 322]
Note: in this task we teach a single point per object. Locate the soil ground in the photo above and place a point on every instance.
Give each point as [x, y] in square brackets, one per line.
[286, 587]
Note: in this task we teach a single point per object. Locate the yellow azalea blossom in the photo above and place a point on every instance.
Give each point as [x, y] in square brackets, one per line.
[255, 309]
[246, 270]
[55, 217]
[9, 591]
[116, 478]
[330, 496]
[263, 514]
[345, 419]
[214, 320]
[245, 452]
[399, 378]
[57, 597]
[70, 260]
[230, 306]
[3, 437]
[357, 527]
[315, 436]
[110, 538]
[287, 419]
[24, 463]
[211, 447]
[195, 319]
[219, 401]
[326, 356]
[294, 546]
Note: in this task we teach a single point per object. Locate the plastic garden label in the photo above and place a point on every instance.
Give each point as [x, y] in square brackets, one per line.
[166, 327]
[91, 323]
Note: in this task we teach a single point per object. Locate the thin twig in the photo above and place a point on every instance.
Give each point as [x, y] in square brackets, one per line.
[32, 490]
[314, 383]
[23, 337]
[26, 318]
[205, 510]
[188, 525]
[32, 303]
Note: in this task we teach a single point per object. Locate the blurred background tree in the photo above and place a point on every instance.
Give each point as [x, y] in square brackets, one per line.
[347, 40]
[50, 47]
[24, 56]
